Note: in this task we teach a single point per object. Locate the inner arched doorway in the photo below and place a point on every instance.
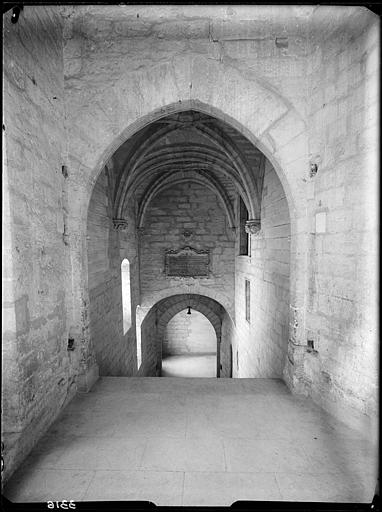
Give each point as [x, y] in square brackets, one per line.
[153, 331]
[189, 346]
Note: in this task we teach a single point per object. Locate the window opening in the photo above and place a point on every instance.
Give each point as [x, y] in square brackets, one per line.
[138, 337]
[247, 301]
[126, 295]
[243, 235]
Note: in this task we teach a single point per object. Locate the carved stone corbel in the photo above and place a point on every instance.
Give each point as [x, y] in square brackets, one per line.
[120, 224]
[252, 226]
[188, 235]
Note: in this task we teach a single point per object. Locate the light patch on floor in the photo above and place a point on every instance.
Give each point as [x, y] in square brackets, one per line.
[193, 365]
[194, 442]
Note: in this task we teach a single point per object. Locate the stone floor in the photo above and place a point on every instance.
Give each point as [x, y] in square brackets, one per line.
[177, 441]
[189, 365]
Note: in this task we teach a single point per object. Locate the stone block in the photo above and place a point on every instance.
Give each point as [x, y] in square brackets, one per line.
[320, 225]
[72, 67]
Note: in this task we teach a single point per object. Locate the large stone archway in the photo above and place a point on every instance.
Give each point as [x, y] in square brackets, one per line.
[268, 121]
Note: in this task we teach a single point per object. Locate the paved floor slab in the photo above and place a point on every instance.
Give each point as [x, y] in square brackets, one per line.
[223, 489]
[193, 365]
[196, 441]
[164, 488]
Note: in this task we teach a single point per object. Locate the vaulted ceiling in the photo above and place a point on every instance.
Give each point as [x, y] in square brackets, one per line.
[187, 147]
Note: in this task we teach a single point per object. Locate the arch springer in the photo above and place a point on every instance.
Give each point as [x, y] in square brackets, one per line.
[120, 224]
[253, 226]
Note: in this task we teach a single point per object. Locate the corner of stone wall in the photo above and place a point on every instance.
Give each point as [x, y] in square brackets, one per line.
[293, 373]
[86, 380]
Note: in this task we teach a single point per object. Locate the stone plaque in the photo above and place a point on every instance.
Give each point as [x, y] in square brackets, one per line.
[187, 262]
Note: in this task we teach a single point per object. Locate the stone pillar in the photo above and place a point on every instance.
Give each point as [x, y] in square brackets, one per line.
[294, 373]
[79, 308]
[218, 354]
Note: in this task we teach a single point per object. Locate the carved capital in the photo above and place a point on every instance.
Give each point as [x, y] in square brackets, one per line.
[120, 224]
[253, 226]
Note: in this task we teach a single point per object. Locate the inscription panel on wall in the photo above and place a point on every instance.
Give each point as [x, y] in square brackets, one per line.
[187, 262]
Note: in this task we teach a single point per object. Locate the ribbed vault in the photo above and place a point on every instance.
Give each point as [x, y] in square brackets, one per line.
[199, 177]
[187, 146]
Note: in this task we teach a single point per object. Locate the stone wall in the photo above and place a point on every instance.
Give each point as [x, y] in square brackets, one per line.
[189, 334]
[149, 336]
[227, 348]
[341, 372]
[38, 375]
[107, 247]
[263, 340]
[180, 208]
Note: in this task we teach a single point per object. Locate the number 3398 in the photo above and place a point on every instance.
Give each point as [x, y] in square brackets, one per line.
[61, 504]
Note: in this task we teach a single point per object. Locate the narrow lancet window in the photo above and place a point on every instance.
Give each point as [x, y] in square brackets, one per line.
[247, 300]
[138, 336]
[126, 295]
[243, 235]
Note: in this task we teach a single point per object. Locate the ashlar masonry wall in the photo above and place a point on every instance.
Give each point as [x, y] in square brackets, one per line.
[149, 345]
[228, 348]
[262, 340]
[38, 372]
[193, 208]
[341, 372]
[107, 247]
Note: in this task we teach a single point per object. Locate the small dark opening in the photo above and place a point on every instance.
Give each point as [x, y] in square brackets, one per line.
[244, 237]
